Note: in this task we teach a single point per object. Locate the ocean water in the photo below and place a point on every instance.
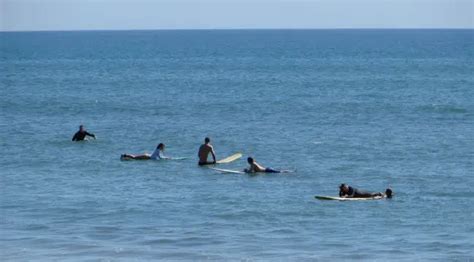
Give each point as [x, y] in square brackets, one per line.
[371, 108]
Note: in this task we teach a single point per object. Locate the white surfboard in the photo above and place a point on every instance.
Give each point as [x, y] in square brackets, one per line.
[287, 171]
[178, 158]
[229, 171]
[229, 158]
[348, 198]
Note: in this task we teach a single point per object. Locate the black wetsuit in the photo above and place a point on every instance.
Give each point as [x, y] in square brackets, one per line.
[271, 170]
[354, 192]
[80, 135]
[206, 163]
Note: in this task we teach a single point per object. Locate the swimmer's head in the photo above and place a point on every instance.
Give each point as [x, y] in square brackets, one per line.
[343, 187]
[388, 192]
[81, 127]
[207, 140]
[250, 160]
[161, 146]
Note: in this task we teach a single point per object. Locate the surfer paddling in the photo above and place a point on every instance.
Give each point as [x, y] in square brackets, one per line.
[81, 134]
[156, 155]
[257, 168]
[346, 191]
[204, 151]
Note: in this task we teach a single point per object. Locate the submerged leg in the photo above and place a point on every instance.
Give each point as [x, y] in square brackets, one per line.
[270, 170]
[141, 157]
[363, 194]
[135, 157]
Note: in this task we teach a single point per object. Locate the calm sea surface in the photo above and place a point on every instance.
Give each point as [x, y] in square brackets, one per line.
[371, 108]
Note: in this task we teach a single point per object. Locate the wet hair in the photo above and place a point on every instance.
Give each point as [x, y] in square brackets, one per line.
[388, 192]
[250, 160]
[207, 140]
[160, 145]
[81, 126]
[342, 186]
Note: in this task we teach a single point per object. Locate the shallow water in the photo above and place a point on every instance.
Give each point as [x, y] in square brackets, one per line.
[371, 108]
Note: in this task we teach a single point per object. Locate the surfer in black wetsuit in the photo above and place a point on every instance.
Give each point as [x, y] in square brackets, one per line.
[81, 134]
[348, 191]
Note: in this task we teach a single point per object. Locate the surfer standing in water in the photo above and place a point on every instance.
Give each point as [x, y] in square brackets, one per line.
[350, 192]
[256, 167]
[204, 151]
[81, 134]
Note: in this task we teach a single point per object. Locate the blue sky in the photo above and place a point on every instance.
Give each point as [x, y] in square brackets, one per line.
[31, 15]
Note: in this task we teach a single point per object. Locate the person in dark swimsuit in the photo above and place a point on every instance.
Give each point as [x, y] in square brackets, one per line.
[204, 151]
[156, 155]
[81, 134]
[256, 167]
[350, 192]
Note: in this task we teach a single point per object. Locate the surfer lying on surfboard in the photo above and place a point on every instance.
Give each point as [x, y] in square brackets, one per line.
[156, 155]
[204, 151]
[346, 191]
[256, 167]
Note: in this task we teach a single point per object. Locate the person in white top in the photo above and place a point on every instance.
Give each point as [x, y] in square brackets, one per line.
[156, 155]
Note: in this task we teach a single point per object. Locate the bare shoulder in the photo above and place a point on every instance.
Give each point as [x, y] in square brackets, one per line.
[206, 146]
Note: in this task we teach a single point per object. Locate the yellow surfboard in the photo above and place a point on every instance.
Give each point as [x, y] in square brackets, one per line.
[229, 158]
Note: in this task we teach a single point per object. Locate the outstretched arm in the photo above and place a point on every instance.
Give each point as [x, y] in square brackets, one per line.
[161, 156]
[89, 134]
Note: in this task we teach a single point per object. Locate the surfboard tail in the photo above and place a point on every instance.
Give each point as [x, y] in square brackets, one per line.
[229, 158]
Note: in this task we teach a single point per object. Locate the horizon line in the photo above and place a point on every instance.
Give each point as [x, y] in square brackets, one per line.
[240, 29]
